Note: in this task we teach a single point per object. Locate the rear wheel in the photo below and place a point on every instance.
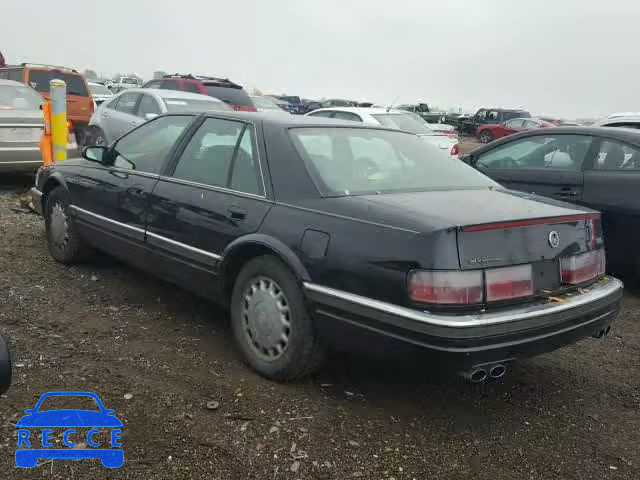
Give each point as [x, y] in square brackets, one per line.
[63, 240]
[486, 136]
[270, 321]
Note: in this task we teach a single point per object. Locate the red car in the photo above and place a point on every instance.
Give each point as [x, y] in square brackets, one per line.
[488, 133]
[221, 88]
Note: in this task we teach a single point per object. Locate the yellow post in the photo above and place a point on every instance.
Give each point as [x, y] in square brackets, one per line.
[58, 90]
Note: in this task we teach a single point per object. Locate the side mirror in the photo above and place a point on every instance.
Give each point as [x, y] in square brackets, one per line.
[149, 116]
[96, 154]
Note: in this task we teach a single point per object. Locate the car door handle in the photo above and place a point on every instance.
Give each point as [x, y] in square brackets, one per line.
[567, 192]
[236, 213]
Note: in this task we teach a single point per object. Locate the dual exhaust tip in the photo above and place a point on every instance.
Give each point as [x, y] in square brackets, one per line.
[481, 374]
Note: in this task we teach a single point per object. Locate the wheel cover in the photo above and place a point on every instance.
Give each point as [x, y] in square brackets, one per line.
[59, 227]
[266, 318]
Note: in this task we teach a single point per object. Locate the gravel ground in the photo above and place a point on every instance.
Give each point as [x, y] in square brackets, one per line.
[157, 355]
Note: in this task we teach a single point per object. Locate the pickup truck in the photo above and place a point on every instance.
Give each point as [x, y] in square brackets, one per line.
[424, 111]
[122, 83]
[486, 116]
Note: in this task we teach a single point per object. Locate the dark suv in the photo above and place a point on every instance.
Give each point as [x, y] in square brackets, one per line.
[221, 88]
[486, 116]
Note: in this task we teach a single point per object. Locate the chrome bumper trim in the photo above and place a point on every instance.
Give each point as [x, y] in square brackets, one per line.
[602, 289]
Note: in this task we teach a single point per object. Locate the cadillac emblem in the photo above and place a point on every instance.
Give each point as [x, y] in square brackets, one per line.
[554, 239]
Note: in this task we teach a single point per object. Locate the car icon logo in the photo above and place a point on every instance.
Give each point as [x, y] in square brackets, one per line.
[86, 433]
[554, 239]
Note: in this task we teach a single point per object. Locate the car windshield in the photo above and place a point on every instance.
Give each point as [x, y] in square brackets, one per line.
[353, 161]
[65, 402]
[175, 105]
[403, 122]
[19, 98]
[99, 90]
[265, 103]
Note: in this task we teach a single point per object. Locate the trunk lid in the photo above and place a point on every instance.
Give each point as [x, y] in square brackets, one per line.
[20, 128]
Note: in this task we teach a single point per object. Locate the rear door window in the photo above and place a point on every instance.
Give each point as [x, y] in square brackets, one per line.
[616, 156]
[234, 96]
[347, 116]
[323, 113]
[148, 105]
[516, 123]
[128, 102]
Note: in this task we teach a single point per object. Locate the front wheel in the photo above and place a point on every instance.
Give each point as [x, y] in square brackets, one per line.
[270, 321]
[63, 240]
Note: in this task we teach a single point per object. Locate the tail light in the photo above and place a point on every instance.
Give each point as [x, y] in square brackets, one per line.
[69, 125]
[509, 282]
[582, 268]
[446, 287]
[244, 108]
[455, 150]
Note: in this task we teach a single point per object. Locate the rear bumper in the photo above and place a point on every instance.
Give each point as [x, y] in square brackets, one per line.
[466, 340]
[20, 159]
[36, 199]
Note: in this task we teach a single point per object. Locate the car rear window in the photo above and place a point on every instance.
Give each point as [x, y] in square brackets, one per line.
[182, 105]
[235, 96]
[39, 80]
[19, 98]
[14, 74]
[360, 161]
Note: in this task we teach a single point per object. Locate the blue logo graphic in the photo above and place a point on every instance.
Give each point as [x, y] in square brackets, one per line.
[36, 428]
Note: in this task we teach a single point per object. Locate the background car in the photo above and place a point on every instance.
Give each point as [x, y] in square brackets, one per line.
[99, 92]
[489, 133]
[619, 121]
[221, 88]
[424, 111]
[296, 105]
[79, 100]
[122, 83]
[486, 116]
[21, 128]
[397, 119]
[269, 104]
[592, 166]
[135, 106]
[336, 102]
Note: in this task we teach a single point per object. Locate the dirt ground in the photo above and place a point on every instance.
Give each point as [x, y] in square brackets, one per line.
[157, 355]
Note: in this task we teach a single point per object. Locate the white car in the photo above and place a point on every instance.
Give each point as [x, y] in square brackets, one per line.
[397, 119]
[100, 93]
[631, 120]
[134, 106]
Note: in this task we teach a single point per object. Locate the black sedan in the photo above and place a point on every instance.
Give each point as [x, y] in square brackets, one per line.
[596, 167]
[318, 233]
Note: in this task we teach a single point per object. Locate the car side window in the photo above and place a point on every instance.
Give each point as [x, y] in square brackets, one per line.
[558, 153]
[146, 148]
[191, 87]
[530, 124]
[492, 115]
[112, 103]
[127, 103]
[515, 123]
[616, 156]
[148, 105]
[208, 155]
[347, 116]
[246, 176]
[154, 84]
[623, 125]
[481, 115]
[171, 85]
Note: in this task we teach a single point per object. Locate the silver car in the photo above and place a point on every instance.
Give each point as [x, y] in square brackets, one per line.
[21, 128]
[134, 106]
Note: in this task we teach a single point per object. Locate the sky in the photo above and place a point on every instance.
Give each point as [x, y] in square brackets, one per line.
[568, 58]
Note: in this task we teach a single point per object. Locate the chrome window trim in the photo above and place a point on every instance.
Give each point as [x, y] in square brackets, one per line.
[596, 292]
[215, 188]
[184, 245]
[134, 172]
[106, 219]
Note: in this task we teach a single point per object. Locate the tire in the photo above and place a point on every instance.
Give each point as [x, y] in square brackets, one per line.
[267, 306]
[486, 136]
[63, 241]
[98, 137]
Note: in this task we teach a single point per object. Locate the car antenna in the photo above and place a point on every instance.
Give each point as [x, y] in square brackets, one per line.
[393, 103]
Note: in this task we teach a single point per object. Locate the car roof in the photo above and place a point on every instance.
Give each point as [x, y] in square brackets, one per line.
[173, 94]
[11, 83]
[616, 119]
